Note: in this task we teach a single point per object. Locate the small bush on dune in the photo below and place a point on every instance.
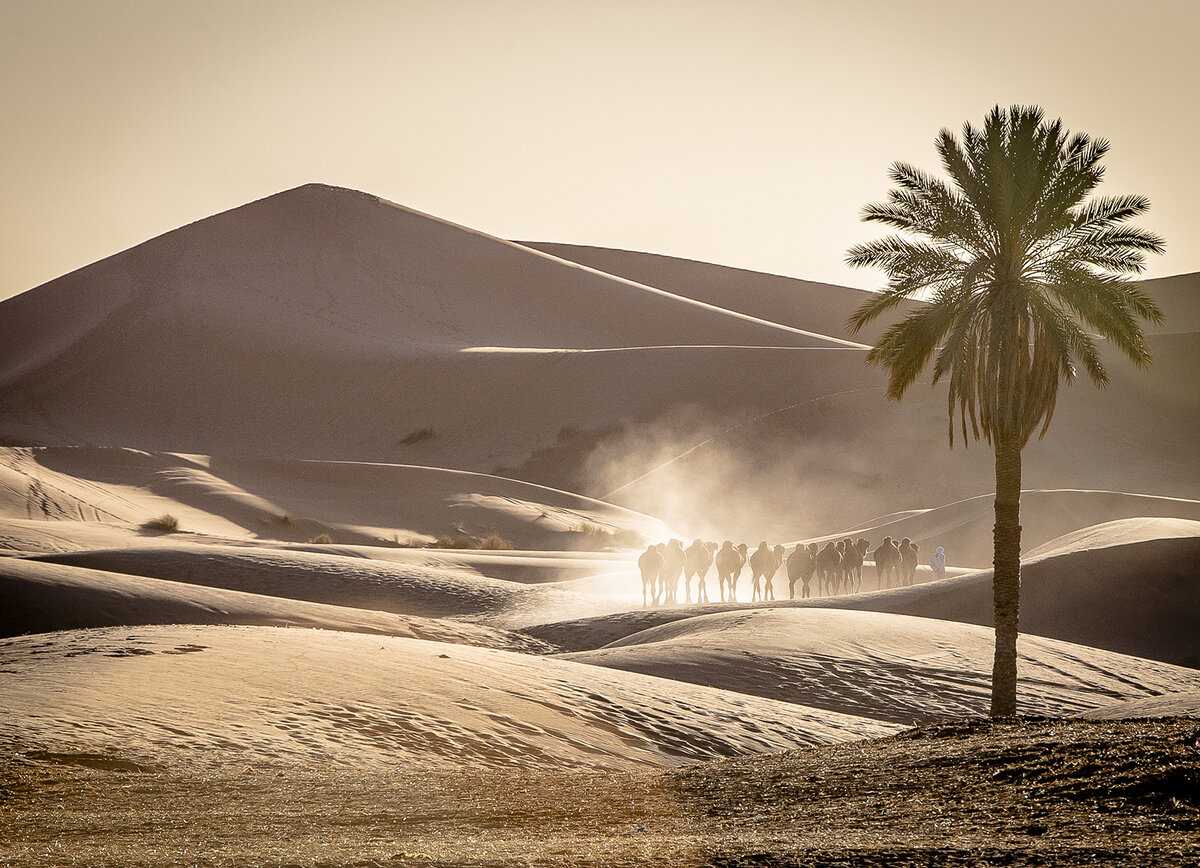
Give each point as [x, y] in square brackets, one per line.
[460, 539]
[323, 539]
[165, 523]
[456, 541]
[414, 437]
[495, 542]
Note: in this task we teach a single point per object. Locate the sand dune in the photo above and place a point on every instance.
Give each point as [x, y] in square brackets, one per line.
[336, 300]
[225, 695]
[407, 589]
[1185, 704]
[300, 500]
[40, 598]
[889, 667]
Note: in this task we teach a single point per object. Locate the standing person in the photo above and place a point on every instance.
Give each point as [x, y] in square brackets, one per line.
[937, 563]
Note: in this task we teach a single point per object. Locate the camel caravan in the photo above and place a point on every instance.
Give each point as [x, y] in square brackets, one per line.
[837, 568]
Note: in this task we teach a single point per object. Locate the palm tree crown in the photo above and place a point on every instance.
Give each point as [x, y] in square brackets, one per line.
[1017, 266]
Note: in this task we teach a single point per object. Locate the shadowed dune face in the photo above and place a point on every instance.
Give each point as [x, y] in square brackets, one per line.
[405, 589]
[216, 695]
[41, 597]
[889, 667]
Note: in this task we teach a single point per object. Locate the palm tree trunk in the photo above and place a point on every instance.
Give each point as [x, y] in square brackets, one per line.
[1006, 576]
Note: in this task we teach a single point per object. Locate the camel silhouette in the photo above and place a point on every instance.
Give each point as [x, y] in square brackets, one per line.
[729, 561]
[764, 563]
[674, 559]
[854, 552]
[887, 561]
[650, 564]
[908, 561]
[699, 559]
[801, 564]
[829, 564]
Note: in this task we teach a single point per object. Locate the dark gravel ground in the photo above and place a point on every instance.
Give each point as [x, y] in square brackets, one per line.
[970, 793]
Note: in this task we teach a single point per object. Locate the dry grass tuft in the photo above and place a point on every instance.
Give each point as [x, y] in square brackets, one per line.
[165, 523]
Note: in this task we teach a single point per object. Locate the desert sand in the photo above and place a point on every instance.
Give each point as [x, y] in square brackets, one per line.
[413, 466]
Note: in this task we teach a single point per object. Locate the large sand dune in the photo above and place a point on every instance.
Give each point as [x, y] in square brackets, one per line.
[327, 324]
[889, 667]
[237, 695]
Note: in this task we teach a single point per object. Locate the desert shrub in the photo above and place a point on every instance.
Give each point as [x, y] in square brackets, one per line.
[495, 542]
[284, 519]
[566, 432]
[165, 523]
[321, 539]
[414, 437]
[456, 541]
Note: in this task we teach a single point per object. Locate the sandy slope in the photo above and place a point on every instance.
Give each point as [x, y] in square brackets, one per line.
[1184, 704]
[890, 667]
[300, 500]
[40, 598]
[336, 301]
[824, 307]
[343, 580]
[221, 695]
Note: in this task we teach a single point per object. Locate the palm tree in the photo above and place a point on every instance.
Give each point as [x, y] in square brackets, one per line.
[1021, 274]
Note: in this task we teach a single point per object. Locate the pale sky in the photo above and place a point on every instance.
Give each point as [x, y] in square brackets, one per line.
[744, 133]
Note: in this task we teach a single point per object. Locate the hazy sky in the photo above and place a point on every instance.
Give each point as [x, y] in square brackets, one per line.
[745, 133]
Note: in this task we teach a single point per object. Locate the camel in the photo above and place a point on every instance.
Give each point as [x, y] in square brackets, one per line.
[829, 562]
[887, 561]
[674, 559]
[908, 561]
[729, 561]
[855, 551]
[762, 563]
[699, 560]
[801, 564]
[650, 563]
